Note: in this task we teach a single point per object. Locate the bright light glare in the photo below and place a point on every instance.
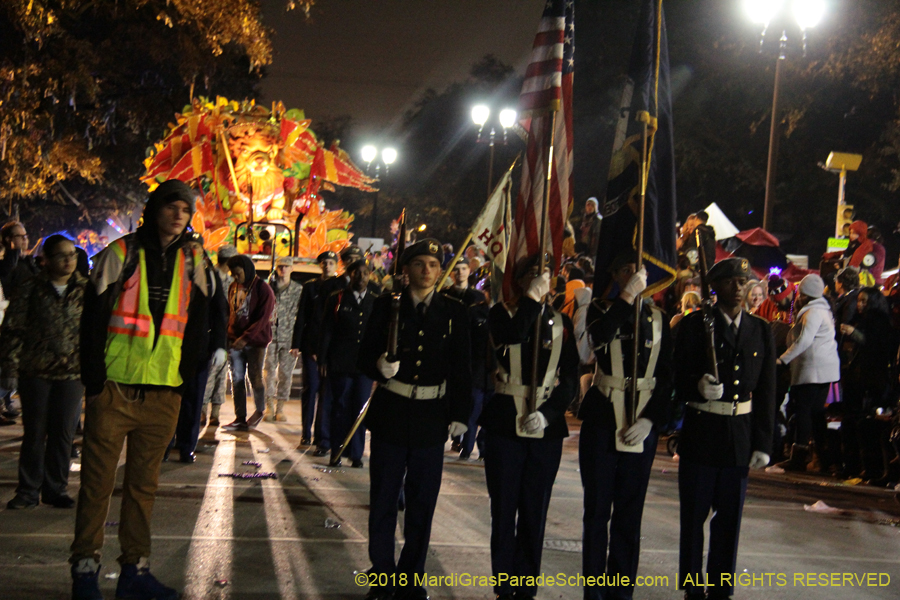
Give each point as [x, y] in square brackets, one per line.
[507, 118]
[388, 155]
[369, 153]
[762, 11]
[423, 227]
[808, 12]
[480, 114]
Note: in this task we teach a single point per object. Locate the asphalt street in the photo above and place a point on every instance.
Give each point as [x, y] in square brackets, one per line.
[304, 534]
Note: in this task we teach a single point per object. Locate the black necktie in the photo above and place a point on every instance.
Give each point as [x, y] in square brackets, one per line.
[420, 310]
[734, 329]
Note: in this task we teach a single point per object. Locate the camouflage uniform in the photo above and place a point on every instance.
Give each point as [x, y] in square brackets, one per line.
[280, 362]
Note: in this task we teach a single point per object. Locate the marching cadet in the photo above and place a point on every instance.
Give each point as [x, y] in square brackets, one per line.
[614, 454]
[482, 354]
[343, 324]
[423, 390]
[728, 427]
[280, 362]
[304, 342]
[522, 448]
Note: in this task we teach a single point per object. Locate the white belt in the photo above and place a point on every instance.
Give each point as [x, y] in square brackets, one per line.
[518, 390]
[415, 392]
[606, 383]
[727, 409]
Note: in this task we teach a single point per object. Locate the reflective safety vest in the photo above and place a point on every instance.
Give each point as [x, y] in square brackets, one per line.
[132, 357]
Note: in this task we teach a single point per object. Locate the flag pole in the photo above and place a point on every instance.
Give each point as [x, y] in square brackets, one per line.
[631, 415]
[533, 397]
[456, 258]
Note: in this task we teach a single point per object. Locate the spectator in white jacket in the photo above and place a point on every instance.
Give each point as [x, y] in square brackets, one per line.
[813, 357]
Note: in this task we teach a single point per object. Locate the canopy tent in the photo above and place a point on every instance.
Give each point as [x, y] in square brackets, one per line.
[718, 221]
[759, 247]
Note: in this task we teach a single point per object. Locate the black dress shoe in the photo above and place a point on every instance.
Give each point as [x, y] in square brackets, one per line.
[4, 421]
[188, 457]
[61, 501]
[19, 503]
[357, 464]
[304, 441]
[322, 452]
[336, 463]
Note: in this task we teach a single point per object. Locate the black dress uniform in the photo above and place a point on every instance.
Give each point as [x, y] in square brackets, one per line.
[305, 336]
[344, 322]
[615, 482]
[408, 418]
[482, 362]
[520, 471]
[718, 439]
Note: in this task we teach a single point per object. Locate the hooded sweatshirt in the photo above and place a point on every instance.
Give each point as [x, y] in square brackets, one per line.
[250, 307]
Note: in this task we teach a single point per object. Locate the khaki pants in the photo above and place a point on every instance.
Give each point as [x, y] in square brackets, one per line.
[147, 420]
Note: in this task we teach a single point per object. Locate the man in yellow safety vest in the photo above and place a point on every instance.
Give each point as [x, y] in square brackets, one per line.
[146, 305]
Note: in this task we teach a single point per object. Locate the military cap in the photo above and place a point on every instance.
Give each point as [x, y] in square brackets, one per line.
[730, 267]
[284, 261]
[526, 263]
[327, 255]
[426, 247]
[350, 253]
[359, 262]
[627, 257]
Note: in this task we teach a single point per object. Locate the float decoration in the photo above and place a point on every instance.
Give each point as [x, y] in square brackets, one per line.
[256, 165]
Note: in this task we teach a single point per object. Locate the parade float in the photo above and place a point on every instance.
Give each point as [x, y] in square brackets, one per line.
[260, 172]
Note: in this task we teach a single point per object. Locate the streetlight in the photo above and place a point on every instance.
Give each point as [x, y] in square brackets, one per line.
[480, 116]
[388, 157]
[807, 14]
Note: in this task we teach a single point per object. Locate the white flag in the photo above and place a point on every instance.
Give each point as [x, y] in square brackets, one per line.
[490, 232]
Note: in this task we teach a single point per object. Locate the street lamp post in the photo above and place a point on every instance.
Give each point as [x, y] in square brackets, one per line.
[807, 14]
[388, 157]
[480, 116]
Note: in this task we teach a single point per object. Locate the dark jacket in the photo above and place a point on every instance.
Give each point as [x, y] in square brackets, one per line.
[16, 269]
[306, 326]
[430, 352]
[747, 370]
[250, 308]
[499, 413]
[616, 320]
[344, 323]
[40, 332]
[483, 362]
[708, 241]
[105, 286]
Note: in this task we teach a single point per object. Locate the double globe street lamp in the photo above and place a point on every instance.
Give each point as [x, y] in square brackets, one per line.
[806, 15]
[369, 155]
[481, 114]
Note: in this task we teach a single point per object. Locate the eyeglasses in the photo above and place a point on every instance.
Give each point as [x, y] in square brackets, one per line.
[65, 257]
[20, 235]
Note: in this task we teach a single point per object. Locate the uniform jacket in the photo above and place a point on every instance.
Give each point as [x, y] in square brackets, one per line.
[812, 351]
[284, 317]
[344, 323]
[40, 332]
[499, 413]
[607, 322]
[482, 354]
[307, 324]
[747, 370]
[431, 351]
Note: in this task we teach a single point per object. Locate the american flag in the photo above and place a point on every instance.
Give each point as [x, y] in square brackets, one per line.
[547, 90]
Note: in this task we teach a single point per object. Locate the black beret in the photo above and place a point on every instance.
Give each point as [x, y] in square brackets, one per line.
[730, 267]
[326, 255]
[348, 253]
[526, 263]
[426, 247]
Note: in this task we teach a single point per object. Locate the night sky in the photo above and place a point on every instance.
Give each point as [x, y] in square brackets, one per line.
[372, 59]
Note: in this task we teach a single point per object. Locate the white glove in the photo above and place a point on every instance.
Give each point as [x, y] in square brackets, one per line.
[387, 369]
[637, 433]
[218, 359]
[635, 285]
[457, 429]
[539, 287]
[709, 389]
[535, 422]
[758, 459]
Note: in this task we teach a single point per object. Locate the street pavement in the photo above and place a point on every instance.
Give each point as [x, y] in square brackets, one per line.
[304, 534]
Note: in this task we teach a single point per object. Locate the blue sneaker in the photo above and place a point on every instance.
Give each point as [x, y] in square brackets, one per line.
[84, 580]
[137, 583]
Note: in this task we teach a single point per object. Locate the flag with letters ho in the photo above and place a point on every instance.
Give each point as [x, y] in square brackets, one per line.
[646, 93]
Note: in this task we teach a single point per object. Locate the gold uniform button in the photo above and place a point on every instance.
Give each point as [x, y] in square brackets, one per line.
[737, 367]
[421, 333]
[420, 348]
[754, 354]
[736, 382]
[419, 364]
[415, 377]
[736, 396]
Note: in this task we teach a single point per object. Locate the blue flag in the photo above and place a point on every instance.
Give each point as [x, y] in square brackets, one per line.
[646, 96]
